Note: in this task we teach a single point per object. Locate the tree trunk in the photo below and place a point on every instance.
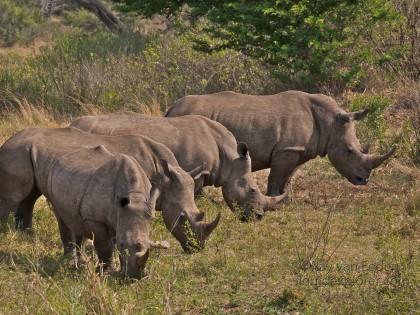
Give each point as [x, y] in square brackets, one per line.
[105, 15]
[94, 6]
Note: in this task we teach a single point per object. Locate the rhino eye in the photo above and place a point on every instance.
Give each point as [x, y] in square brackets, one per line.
[124, 201]
[253, 190]
[349, 149]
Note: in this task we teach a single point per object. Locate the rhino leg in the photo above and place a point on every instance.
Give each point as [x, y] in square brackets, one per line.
[68, 238]
[71, 242]
[283, 164]
[24, 212]
[102, 241]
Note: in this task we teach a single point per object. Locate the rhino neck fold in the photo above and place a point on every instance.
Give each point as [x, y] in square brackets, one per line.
[322, 127]
[220, 176]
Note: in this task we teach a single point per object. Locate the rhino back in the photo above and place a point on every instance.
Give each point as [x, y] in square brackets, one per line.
[17, 178]
[193, 140]
[148, 152]
[283, 120]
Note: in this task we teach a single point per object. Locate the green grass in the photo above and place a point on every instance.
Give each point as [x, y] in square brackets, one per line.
[336, 249]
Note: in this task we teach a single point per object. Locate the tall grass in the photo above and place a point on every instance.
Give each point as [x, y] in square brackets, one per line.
[19, 113]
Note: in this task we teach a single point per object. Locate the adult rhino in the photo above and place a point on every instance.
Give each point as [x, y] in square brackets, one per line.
[19, 187]
[287, 129]
[195, 141]
[101, 196]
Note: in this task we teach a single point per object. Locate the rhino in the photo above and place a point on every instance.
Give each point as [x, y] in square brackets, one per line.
[19, 188]
[195, 141]
[286, 130]
[96, 194]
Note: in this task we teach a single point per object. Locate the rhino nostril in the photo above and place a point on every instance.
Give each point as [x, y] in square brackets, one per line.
[361, 180]
[138, 247]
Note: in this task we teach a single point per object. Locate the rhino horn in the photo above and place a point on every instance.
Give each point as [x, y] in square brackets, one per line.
[205, 229]
[272, 202]
[374, 161]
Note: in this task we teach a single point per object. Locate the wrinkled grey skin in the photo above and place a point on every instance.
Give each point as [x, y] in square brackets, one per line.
[101, 196]
[287, 129]
[195, 141]
[19, 190]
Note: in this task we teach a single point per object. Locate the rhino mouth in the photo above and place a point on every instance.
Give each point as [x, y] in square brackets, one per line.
[358, 180]
[251, 215]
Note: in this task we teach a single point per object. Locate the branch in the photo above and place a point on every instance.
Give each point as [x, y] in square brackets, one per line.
[94, 6]
[105, 15]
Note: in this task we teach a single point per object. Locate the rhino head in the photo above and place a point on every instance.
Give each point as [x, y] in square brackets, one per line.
[346, 153]
[241, 191]
[180, 213]
[134, 215]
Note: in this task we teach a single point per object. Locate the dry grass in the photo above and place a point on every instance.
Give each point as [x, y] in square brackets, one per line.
[19, 114]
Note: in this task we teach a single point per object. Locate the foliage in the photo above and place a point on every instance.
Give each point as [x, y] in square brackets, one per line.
[310, 41]
[408, 38]
[127, 71]
[374, 125]
[19, 20]
[82, 19]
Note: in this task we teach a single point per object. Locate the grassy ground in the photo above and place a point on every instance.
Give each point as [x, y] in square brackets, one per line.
[336, 249]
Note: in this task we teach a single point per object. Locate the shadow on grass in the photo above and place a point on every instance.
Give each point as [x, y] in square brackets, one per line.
[45, 265]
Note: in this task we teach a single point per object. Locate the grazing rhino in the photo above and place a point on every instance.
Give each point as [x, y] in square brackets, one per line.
[195, 141]
[101, 196]
[285, 130]
[19, 188]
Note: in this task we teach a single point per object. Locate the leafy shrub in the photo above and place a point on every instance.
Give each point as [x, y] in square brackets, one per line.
[373, 127]
[82, 19]
[18, 20]
[127, 71]
[310, 42]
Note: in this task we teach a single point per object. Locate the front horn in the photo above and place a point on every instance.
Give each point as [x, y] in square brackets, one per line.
[203, 230]
[375, 161]
[272, 202]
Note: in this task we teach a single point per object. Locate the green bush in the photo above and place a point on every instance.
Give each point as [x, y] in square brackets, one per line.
[310, 42]
[19, 20]
[373, 127]
[126, 71]
[82, 19]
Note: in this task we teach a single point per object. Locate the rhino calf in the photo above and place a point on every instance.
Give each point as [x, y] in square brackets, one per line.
[287, 129]
[195, 141]
[101, 196]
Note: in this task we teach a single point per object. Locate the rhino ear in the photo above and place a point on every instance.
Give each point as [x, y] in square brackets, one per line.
[154, 195]
[343, 118]
[197, 172]
[243, 151]
[359, 115]
[169, 170]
